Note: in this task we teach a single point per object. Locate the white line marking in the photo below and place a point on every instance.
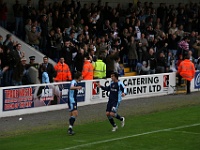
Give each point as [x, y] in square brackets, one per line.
[187, 132]
[125, 137]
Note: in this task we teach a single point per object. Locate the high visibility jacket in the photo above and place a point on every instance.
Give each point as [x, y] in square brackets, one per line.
[186, 69]
[63, 72]
[87, 71]
[99, 69]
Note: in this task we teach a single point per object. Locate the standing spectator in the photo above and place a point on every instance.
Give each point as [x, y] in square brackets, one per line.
[51, 45]
[117, 91]
[27, 9]
[2, 71]
[3, 14]
[173, 40]
[79, 59]
[59, 42]
[63, 71]
[18, 14]
[99, 68]
[50, 69]
[87, 71]
[68, 52]
[72, 100]
[186, 70]
[132, 54]
[44, 33]
[152, 60]
[184, 46]
[110, 62]
[27, 29]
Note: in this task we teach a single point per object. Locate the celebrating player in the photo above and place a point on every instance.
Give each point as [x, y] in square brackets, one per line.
[117, 91]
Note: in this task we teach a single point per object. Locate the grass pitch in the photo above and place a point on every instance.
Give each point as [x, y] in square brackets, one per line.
[177, 129]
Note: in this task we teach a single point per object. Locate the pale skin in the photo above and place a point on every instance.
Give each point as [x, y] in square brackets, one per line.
[114, 79]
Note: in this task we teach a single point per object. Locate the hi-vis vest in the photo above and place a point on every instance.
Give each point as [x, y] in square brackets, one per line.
[99, 69]
[186, 69]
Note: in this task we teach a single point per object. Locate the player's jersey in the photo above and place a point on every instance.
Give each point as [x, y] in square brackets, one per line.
[116, 89]
[72, 93]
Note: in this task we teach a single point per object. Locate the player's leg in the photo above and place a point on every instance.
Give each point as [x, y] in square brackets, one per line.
[72, 119]
[116, 115]
[109, 116]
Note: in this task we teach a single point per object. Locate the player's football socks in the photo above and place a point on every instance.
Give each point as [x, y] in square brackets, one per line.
[72, 120]
[122, 122]
[70, 131]
[112, 121]
[118, 117]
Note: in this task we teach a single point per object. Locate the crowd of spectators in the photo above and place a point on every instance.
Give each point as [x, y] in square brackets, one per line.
[146, 38]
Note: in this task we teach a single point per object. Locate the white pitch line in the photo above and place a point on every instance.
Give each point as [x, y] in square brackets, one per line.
[130, 136]
[186, 132]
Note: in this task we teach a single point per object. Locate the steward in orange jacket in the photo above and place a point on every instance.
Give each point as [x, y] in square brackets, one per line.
[63, 71]
[88, 69]
[186, 70]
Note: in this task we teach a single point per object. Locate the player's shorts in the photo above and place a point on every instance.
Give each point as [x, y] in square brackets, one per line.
[112, 106]
[72, 106]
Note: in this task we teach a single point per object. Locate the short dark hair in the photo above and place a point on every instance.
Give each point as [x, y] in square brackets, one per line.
[115, 74]
[77, 75]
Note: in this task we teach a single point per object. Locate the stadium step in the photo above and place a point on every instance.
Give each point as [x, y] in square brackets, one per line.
[130, 74]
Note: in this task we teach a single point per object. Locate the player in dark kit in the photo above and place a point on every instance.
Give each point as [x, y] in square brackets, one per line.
[117, 91]
[72, 100]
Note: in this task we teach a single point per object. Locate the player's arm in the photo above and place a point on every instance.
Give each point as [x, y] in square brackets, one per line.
[123, 89]
[105, 88]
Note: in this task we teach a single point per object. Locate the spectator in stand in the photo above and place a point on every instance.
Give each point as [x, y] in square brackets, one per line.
[44, 33]
[50, 69]
[8, 42]
[153, 61]
[27, 10]
[34, 38]
[192, 40]
[184, 46]
[59, 42]
[27, 29]
[99, 68]
[173, 29]
[79, 59]
[68, 52]
[3, 14]
[111, 55]
[87, 71]
[173, 40]
[18, 14]
[20, 73]
[196, 47]
[51, 45]
[117, 68]
[145, 68]
[63, 71]
[161, 63]
[132, 53]
[2, 71]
